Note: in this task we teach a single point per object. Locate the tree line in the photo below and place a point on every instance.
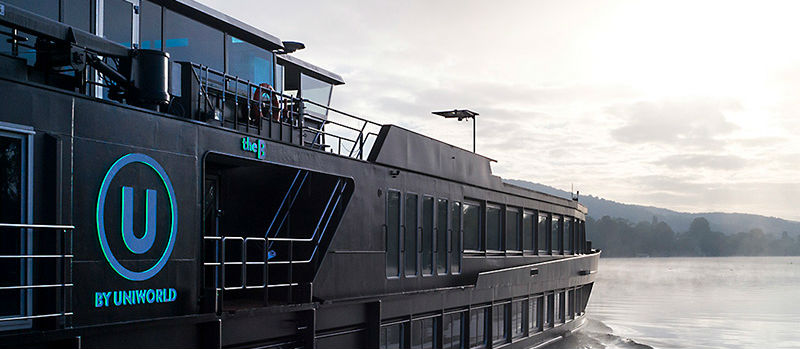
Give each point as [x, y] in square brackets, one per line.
[618, 237]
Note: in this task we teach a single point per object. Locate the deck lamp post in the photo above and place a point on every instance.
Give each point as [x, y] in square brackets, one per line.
[461, 114]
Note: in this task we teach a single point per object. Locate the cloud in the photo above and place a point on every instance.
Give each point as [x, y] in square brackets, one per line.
[575, 104]
[682, 193]
[693, 122]
[703, 161]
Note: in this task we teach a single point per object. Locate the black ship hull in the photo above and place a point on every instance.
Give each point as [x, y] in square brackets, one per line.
[81, 137]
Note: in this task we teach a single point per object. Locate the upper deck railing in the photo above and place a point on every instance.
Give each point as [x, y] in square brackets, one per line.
[219, 98]
[62, 56]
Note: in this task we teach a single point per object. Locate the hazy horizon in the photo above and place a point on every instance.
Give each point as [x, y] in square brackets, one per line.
[674, 104]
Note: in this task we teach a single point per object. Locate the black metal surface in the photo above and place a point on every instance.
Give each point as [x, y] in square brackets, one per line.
[222, 22]
[149, 78]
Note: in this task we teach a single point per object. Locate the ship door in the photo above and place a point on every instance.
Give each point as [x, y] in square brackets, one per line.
[212, 212]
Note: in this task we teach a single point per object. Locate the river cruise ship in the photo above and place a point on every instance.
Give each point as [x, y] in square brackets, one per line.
[171, 177]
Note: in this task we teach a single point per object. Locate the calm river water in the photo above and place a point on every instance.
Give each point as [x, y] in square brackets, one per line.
[731, 302]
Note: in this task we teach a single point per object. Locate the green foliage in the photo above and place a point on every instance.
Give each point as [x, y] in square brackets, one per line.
[618, 237]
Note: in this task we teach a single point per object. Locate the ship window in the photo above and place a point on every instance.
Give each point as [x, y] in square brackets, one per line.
[472, 226]
[150, 27]
[556, 239]
[478, 327]
[118, 21]
[570, 304]
[46, 8]
[14, 208]
[559, 311]
[77, 13]
[569, 235]
[423, 333]
[541, 233]
[550, 309]
[534, 317]
[279, 76]
[441, 236]
[493, 228]
[453, 331]
[513, 237]
[249, 62]
[518, 318]
[392, 336]
[455, 238]
[499, 320]
[410, 231]
[316, 91]
[392, 233]
[587, 289]
[582, 239]
[528, 231]
[427, 235]
[188, 40]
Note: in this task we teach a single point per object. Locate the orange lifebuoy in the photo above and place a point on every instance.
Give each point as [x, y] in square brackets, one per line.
[266, 97]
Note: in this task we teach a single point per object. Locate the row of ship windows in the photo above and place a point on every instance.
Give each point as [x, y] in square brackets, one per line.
[423, 238]
[147, 25]
[488, 325]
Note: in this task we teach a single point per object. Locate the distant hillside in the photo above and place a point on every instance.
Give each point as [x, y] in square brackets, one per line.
[728, 223]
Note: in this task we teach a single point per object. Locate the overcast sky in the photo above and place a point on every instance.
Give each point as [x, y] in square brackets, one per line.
[687, 105]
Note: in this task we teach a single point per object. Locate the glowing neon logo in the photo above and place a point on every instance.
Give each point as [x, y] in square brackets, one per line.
[136, 245]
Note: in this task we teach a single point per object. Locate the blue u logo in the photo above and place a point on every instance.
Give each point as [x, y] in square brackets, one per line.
[137, 245]
[144, 243]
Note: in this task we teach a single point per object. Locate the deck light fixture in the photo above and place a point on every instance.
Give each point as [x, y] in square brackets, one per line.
[461, 114]
[292, 46]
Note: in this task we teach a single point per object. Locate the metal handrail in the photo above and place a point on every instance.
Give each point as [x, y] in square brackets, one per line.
[28, 258]
[36, 226]
[227, 86]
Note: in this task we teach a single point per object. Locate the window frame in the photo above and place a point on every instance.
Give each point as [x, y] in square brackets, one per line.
[417, 235]
[523, 321]
[399, 229]
[529, 249]
[402, 324]
[431, 253]
[480, 238]
[569, 234]
[537, 323]
[505, 318]
[455, 253]
[519, 231]
[556, 231]
[25, 134]
[439, 236]
[549, 312]
[485, 310]
[543, 250]
[464, 314]
[436, 324]
[500, 228]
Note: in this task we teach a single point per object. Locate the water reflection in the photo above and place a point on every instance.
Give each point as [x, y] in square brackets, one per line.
[734, 302]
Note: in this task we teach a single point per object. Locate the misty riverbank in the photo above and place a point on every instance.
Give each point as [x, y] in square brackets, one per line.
[618, 237]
